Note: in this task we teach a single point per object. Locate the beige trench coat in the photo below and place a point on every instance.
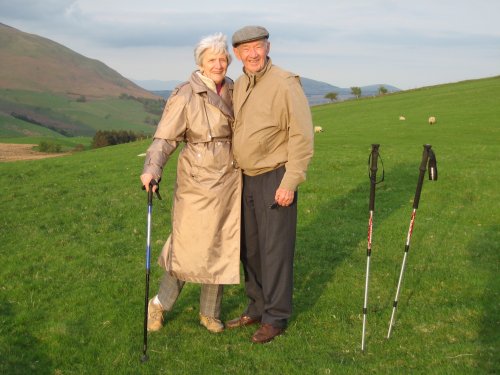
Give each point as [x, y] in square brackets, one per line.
[204, 245]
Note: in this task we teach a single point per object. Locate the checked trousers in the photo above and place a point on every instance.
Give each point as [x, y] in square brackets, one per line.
[210, 296]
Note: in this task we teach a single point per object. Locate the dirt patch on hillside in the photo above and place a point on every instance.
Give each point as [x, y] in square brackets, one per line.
[15, 152]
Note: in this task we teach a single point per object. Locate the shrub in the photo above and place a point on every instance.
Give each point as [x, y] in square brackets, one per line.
[105, 138]
[49, 147]
[79, 147]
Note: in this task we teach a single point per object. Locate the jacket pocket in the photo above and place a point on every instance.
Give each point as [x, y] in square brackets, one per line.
[264, 146]
[215, 167]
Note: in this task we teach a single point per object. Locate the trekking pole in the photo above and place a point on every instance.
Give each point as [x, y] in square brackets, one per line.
[152, 183]
[428, 158]
[372, 174]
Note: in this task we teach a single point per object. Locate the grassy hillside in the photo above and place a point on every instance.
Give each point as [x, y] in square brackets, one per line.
[71, 117]
[31, 62]
[48, 90]
[73, 245]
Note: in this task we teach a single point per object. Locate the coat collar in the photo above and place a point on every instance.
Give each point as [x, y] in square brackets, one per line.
[253, 78]
[222, 102]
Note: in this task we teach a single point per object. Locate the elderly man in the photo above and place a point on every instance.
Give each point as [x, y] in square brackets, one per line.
[273, 144]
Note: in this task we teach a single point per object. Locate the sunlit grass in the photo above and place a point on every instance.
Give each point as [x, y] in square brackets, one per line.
[73, 243]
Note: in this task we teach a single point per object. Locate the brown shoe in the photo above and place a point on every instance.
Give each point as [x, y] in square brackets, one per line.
[214, 325]
[241, 321]
[266, 333]
[155, 316]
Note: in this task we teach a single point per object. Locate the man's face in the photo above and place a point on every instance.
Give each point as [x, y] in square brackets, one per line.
[253, 54]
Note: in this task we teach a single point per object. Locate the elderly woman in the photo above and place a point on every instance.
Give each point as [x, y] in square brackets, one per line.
[204, 245]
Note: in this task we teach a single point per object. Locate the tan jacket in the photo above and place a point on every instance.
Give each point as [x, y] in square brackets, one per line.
[204, 245]
[273, 125]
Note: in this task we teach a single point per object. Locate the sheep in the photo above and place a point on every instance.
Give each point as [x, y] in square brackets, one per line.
[432, 120]
[318, 129]
[402, 118]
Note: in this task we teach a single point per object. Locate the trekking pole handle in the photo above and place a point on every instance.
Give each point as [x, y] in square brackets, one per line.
[373, 174]
[152, 184]
[432, 166]
[423, 168]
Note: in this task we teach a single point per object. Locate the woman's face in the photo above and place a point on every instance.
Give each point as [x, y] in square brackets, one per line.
[214, 66]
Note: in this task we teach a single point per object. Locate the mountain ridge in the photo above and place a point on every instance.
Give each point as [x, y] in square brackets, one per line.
[32, 62]
[315, 90]
[311, 85]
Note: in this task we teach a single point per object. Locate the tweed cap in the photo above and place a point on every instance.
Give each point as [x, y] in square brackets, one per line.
[249, 34]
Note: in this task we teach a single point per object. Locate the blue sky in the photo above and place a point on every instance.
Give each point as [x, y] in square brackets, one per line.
[346, 43]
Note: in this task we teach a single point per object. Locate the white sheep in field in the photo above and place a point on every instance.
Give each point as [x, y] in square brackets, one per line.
[402, 118]
[432, 120]
[318, 129]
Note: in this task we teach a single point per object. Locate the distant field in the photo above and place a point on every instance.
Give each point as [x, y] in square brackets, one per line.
[75, 117]
[15, 128]
[72, 235]
[10, 152]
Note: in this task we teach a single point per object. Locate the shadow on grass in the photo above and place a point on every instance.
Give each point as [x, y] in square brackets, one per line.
[340, 225]
[332, 232]
[332, 228]
[20, 352]
[484, 252]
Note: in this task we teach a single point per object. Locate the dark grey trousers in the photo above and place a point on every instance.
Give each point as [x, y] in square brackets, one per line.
[268, 246]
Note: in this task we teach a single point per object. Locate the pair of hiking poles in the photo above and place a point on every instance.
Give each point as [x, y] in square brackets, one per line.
[428, 161]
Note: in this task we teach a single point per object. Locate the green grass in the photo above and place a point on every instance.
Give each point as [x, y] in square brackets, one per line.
[73, 243]
[11, 127]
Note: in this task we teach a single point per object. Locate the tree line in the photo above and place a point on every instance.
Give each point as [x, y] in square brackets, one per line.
[355, 91]
[103, 138]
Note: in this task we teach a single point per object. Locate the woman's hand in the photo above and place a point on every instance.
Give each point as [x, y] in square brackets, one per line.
[146, 179]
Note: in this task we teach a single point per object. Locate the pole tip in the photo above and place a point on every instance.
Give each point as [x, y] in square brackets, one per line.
[144, 358]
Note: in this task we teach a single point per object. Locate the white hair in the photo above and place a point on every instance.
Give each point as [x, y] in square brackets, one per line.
[216, 42]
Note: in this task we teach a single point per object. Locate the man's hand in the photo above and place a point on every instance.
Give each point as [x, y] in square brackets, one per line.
[284, 197]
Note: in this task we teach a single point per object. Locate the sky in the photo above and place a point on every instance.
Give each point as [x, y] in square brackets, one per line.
[405, 43]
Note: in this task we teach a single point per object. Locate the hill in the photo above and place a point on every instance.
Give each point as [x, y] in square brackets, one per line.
[165, 94]
[73, 233]
[30, 62]
[157, 85]
[44, 114]
[315, 90]
[313, 87]
[48, 90]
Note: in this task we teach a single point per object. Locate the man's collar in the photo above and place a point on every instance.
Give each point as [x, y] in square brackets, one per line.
[254, 77]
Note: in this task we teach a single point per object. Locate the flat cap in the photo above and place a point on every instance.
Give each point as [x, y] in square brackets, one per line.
[249, 34]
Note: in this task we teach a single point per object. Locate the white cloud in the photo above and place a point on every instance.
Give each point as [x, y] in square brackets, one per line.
[344, 42]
